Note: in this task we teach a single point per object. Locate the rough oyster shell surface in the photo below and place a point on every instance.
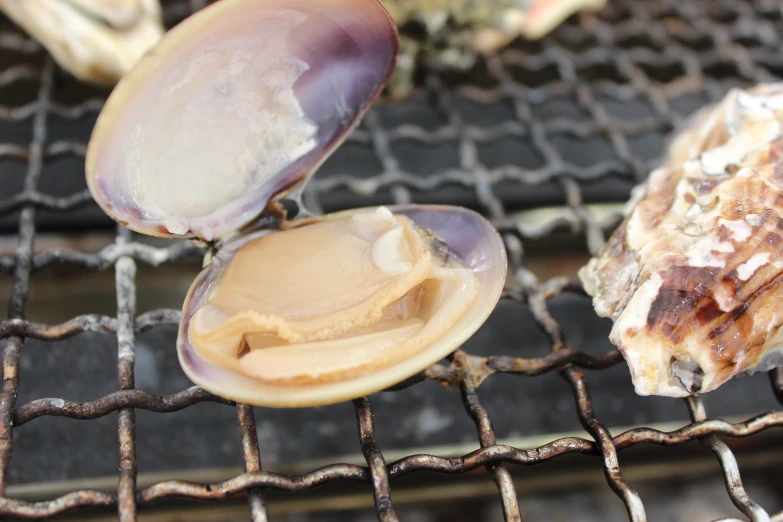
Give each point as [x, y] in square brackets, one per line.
[693, 278]
[529, 18]
[457, 31]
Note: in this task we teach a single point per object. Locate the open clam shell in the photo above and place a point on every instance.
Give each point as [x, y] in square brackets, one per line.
[235, 108]
[473, 246]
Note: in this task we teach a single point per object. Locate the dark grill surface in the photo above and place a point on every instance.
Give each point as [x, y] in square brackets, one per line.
[575, 119]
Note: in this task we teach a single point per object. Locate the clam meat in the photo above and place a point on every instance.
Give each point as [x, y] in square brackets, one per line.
[338, 306]
[234, 110]
[693, 278]
[97, 41]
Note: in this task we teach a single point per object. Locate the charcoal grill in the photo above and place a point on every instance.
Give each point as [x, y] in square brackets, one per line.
[542, 138]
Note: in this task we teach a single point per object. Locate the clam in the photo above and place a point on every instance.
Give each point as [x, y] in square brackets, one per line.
[95, 40]
[233, 111]
[693, 277]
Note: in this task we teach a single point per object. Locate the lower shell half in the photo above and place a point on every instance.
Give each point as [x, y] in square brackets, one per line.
[340, 306]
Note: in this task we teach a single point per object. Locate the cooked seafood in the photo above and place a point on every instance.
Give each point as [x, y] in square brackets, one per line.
[693, 277]
[235, 110]
[454, 33]
[97, 41]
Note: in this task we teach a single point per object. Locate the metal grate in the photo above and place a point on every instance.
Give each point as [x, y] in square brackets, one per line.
[656, 52]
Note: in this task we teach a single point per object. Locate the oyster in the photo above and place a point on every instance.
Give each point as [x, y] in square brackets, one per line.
[693, 277]
[235, 110]
[95, 40]
[453, 33]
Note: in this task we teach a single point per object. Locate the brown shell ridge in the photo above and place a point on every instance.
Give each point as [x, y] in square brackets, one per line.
[705, 244]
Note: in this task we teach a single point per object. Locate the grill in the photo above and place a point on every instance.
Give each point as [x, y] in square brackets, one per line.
[542, 138]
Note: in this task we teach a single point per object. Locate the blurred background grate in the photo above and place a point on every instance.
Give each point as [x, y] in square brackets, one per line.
[546, 139]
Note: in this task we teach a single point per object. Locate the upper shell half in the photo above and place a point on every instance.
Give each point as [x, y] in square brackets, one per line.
[235, 108]
[693, 278]
[340, 306]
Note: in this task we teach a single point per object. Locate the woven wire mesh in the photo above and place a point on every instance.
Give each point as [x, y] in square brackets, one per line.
[659, 52]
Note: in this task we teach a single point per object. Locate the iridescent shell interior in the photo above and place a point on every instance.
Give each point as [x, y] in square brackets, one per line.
[235, 109]
[289, 322]
[235, 106]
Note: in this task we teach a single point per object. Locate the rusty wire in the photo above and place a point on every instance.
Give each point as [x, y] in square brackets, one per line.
[631, 41]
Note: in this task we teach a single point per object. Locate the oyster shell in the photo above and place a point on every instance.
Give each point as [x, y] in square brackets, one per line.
[235, 109]
[492, 23]
[456, 32]
[97, 41]
[693, 277]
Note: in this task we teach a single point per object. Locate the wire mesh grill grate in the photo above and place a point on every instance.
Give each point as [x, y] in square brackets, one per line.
[660, 53]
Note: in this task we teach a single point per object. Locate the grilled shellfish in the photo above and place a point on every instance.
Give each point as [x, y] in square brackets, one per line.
[234, 110]
[693, 278]
[95, 40]
[454, 33]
